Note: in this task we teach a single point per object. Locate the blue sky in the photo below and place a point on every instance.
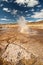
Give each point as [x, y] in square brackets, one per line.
[12, 10]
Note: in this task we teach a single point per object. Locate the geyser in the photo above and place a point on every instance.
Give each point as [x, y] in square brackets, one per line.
[23, 28]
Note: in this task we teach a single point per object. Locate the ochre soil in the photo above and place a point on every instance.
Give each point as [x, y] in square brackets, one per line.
[31, 42]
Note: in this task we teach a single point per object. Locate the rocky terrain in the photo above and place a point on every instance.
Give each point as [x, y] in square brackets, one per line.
[20, 48]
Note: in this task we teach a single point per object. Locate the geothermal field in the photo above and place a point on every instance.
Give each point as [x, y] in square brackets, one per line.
[21, 44]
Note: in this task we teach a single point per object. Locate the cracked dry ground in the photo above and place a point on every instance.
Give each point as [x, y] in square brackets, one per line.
[12, 42]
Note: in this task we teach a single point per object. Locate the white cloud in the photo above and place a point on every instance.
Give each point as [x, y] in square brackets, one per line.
[28, 15]
[20, 1]
[38, 14]
[39, 20]
[41, 10]
[39, 6]
[1, 5]
[26, 11]
[5, 0]
[3, 19]
[32, 10]
[6, 9]
[30, 3]
[14, 12]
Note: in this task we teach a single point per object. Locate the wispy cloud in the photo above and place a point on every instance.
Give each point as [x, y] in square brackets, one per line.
[30, 3]
[39, 6]
[14, 11]
[3, 19]
[38, 14]
[1, 5]
[39, 20]
[6, 9]
[26, 11]
[5, 0]
[41, 10]
[32, 10]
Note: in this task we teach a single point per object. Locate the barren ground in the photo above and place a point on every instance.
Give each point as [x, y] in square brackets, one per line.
[31, 42]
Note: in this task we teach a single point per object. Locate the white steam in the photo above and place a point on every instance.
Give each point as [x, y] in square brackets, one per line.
[23, 28]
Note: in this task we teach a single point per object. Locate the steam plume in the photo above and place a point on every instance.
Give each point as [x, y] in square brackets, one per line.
[23, 28]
